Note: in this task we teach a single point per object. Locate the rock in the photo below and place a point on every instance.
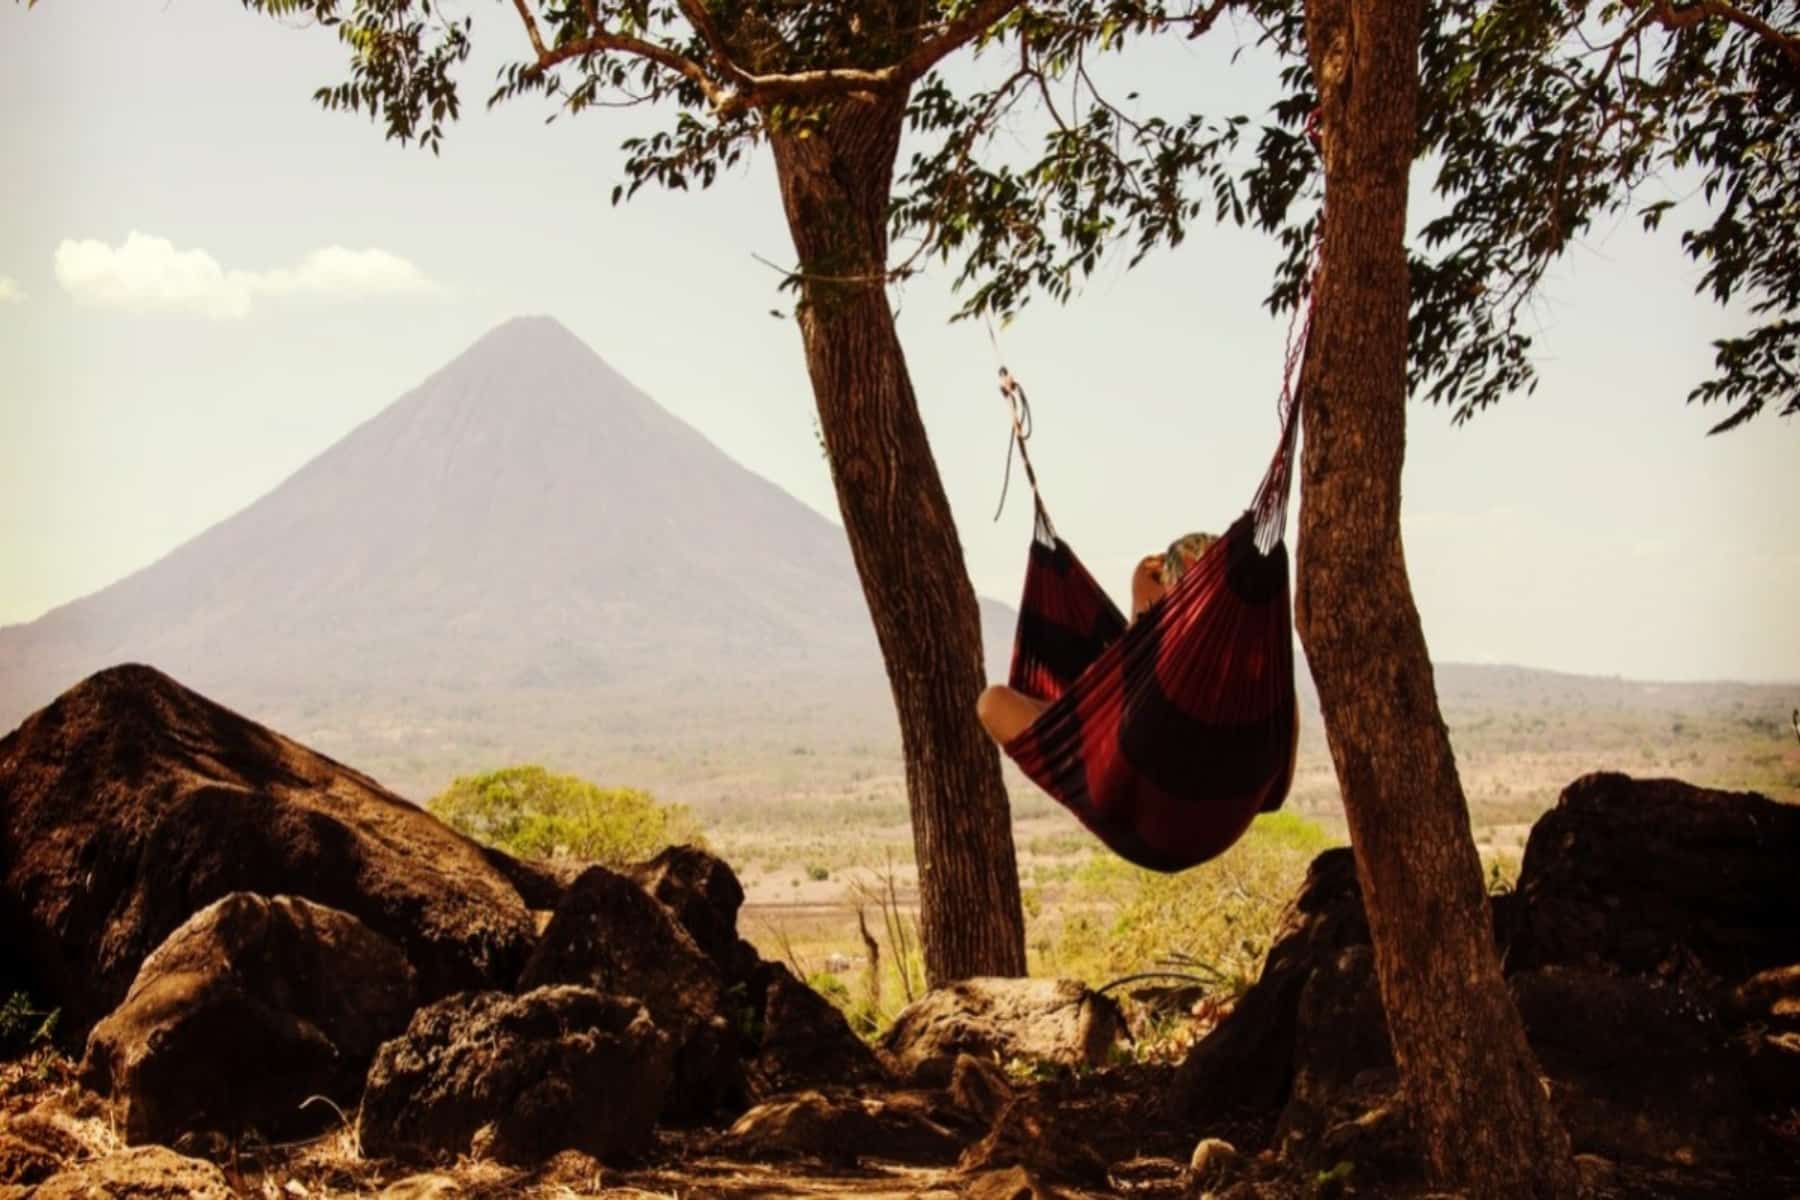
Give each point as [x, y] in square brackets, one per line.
[1765, 1008]
[1213, 1163]
[1342, 1059]
[798, 1039]
[704, 896]
[569, 1171]
[540, 884]
[248, 1009]
[1646, 875]
[26, 1159]
[843, 1127]
[24, 1162]
[131, 803]
[1036, 1020]
[1030, 1133]
[35, 1145]
[1639, 1068]
[979, 1087]
[1772, 1069]
[611, 935]
[1769, 997]
[1371, 1129]
[1009, 1183]
[1246, 1064]
[557, 1068]
[142, 1173]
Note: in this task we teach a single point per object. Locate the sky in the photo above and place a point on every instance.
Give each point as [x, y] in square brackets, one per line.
[205, 280]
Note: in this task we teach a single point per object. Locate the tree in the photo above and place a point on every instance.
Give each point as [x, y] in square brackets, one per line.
[530, 813]
[826, 86]
[1471, 1080]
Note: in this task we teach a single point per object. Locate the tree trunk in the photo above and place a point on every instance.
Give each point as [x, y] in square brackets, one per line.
[836, 173]
[1471, 1081]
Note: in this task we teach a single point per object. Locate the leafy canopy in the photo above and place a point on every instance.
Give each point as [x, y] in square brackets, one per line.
[728, 70]
[1543, 121]
[532, 814]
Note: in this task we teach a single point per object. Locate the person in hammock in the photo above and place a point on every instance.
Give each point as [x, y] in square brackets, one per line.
[1006, 713]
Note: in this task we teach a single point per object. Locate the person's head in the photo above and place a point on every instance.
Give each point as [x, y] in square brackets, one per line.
[1183, 553]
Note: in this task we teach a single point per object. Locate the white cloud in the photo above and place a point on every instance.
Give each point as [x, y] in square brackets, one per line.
[10, 292]
[340, 272]
[148, 274]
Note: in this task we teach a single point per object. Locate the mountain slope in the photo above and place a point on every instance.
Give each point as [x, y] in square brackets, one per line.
[524, 528]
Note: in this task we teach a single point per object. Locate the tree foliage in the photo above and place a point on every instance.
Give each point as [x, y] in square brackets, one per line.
[726, 71]
[1543, 122]
[532, 814]
[24, 1026]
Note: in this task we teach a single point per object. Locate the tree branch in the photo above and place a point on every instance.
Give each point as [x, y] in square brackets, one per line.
[695, 12]
[599, 41]
[741, 90]
[1673, 17]
[761, 90]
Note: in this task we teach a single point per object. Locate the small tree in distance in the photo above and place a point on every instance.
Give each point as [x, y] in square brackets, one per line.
[533, 814]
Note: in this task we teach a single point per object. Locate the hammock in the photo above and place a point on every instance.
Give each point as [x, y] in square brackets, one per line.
[1166, 737]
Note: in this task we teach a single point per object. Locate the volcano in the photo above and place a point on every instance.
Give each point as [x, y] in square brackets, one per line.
[524, 556]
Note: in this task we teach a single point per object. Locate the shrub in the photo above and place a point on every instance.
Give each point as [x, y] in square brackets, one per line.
[530, 813]
[24, 1026]
[829, 986]
[1217, 919]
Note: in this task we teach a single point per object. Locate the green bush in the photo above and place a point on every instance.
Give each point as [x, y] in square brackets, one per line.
[1217, 919]
[830, 987]
[24, 1026]
[858, 1014]
[530, 813]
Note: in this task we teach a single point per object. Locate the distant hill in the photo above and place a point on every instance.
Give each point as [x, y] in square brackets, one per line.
[1521, 735]
[523, 555]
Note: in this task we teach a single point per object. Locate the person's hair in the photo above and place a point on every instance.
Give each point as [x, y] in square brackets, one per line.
[1191, 545]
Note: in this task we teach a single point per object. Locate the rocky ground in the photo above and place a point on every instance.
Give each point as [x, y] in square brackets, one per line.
[277, 979]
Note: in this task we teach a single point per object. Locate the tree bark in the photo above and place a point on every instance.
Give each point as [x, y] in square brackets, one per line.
[1471, 1082]
[836, 172]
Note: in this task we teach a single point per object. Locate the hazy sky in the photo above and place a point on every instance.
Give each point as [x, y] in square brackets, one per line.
[205, 280]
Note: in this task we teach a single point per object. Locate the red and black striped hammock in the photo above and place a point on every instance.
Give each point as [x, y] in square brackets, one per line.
[1167, 737]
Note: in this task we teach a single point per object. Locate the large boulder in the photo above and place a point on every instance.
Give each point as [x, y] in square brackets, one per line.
[1650, 949]
[610, 935]
[34, 1146]
[1656, 876]
[794, 1038]
[1637, 1069]
[131, 803]
[250, 1008]
[1246, 1063]
[1055, 1021]
[704, 895]
[143, 1173]
[519, 1078]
